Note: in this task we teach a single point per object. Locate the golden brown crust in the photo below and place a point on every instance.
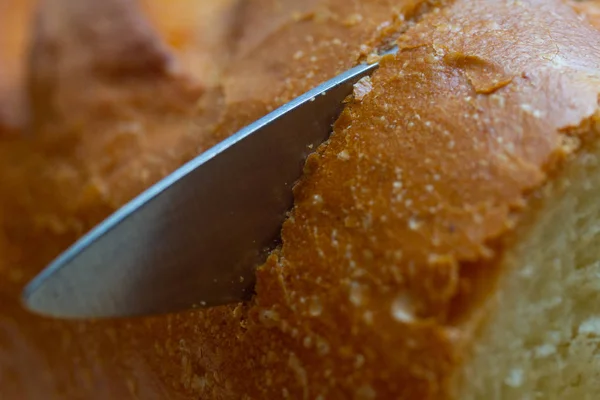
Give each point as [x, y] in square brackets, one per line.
[301, 45]
[396, 220]
[92, 151]
[589, 9]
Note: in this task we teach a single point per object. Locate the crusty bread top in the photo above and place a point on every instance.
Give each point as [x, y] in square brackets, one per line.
[398, 220]
[400, 217]
[104, 128]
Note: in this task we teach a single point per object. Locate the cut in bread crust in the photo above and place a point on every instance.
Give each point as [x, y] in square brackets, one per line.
[443, 242]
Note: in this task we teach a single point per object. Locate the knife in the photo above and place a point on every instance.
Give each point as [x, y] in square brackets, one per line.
[195, 238]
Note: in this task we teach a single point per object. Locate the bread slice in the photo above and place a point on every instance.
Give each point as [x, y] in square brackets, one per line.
[542, 340]
[443, 243]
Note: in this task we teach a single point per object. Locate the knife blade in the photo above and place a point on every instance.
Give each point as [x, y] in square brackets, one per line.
[195, 238]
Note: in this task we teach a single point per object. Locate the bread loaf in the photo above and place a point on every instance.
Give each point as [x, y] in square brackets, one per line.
[444, 243]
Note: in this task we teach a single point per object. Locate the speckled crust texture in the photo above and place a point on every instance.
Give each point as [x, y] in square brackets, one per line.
[392, 248]
[119, 99]
[390, 252]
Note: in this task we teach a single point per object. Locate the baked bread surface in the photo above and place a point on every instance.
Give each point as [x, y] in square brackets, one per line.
[411, 225]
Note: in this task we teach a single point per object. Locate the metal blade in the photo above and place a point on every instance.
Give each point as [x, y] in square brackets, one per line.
[195, 238]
